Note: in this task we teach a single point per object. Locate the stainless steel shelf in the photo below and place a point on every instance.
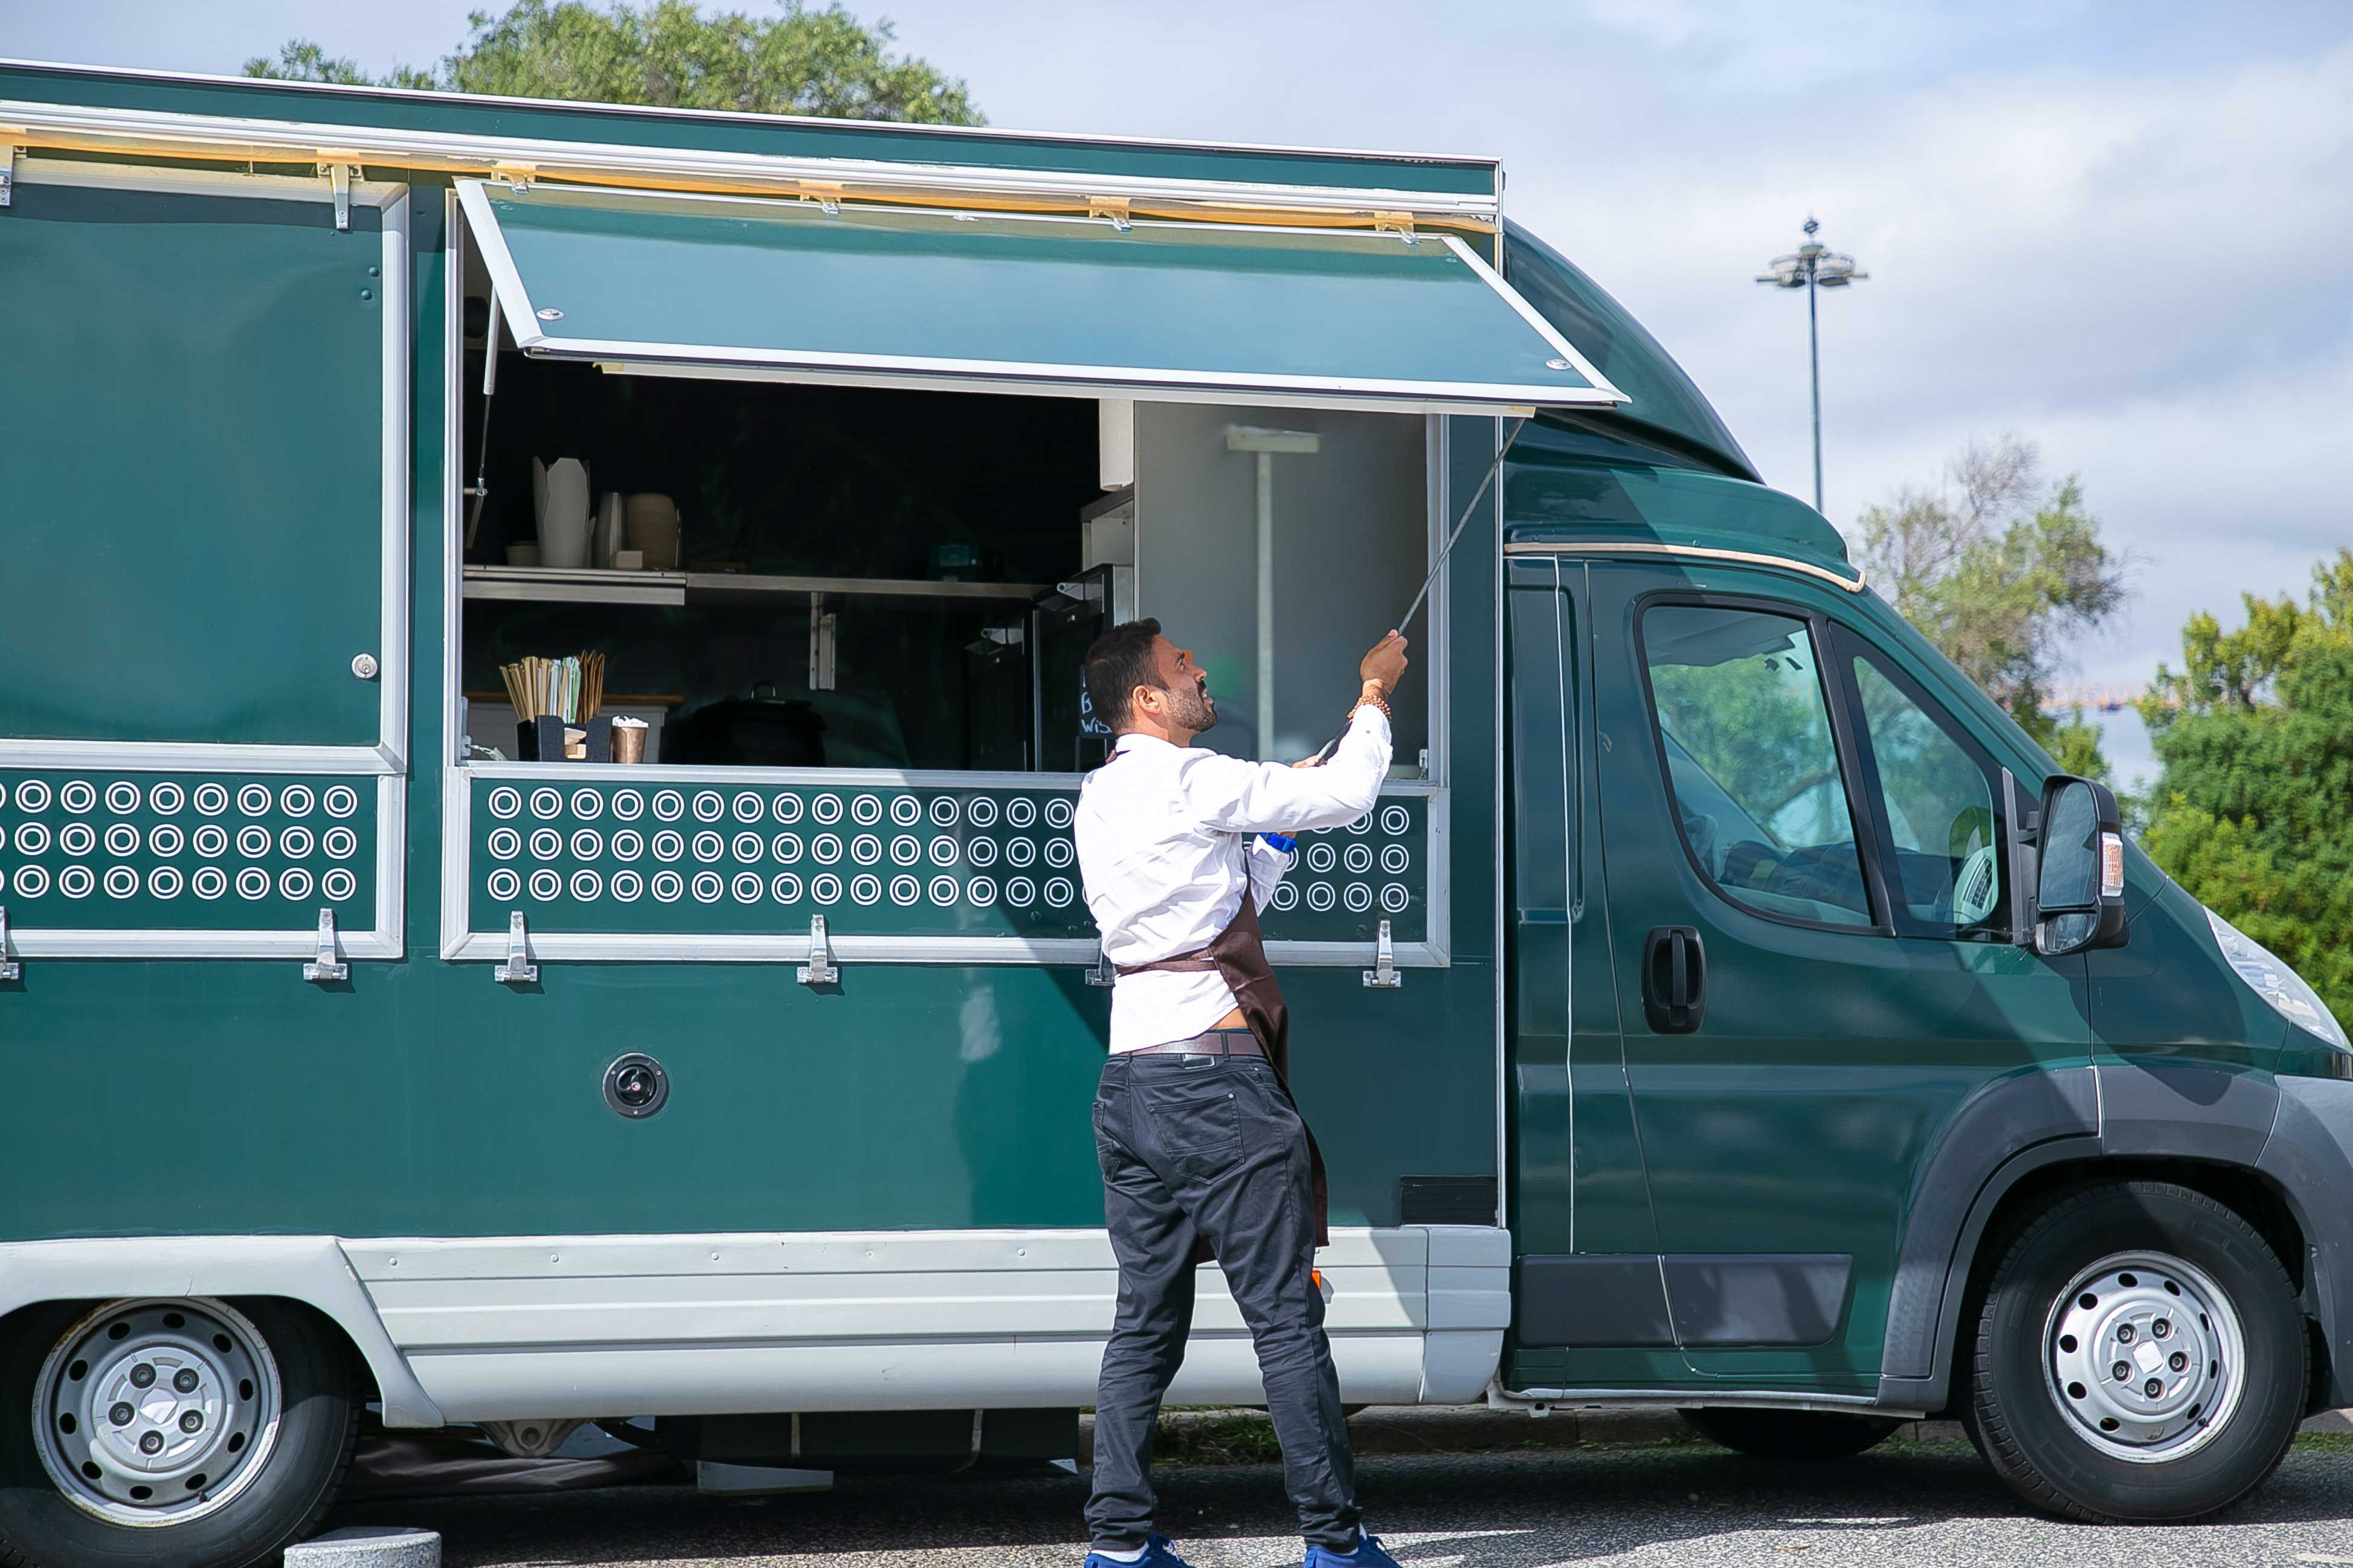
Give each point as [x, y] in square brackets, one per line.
[588, 585]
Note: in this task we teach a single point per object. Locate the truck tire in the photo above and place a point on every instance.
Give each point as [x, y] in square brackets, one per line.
[2139, 1357]
[1801, 1435]
[183, 1433]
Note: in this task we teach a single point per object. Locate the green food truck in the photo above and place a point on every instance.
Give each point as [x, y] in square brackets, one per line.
[1729, 1008]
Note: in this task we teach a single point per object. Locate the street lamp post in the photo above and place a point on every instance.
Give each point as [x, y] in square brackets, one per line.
[1814, 266]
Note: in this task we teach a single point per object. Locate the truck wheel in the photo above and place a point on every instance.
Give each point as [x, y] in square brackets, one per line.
[1792, 1434]
[168, 1433]
[2140, 1357]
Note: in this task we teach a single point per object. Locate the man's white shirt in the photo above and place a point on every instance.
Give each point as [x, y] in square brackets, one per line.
[1167, 845]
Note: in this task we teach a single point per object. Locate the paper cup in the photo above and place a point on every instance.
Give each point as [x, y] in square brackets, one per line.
[628, 740]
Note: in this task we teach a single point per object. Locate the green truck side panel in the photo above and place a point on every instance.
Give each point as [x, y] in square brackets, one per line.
[425, 1098]
[931, 860]
[768, 135]
[194, 399]
[96, 850]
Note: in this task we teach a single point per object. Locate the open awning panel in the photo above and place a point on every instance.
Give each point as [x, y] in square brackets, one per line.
[1072, 305]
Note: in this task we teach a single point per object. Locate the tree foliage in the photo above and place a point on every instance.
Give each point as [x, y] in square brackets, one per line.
[2254, 812]
[2004, 572]
[799, 61]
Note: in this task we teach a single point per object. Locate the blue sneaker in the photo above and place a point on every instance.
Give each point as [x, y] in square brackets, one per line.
[1158, 1553]
[1370, 1553]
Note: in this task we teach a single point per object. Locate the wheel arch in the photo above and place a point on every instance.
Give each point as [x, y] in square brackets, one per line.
[2018, 1143]
[311, 1271]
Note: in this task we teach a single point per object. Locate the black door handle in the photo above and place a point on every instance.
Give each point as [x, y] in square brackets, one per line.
[1674, 980]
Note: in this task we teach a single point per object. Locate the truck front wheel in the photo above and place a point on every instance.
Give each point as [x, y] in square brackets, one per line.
[2139, 1357]
[168, 1433]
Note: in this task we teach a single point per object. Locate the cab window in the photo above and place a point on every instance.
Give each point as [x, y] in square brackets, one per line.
[1943, 862]
[1751, 761]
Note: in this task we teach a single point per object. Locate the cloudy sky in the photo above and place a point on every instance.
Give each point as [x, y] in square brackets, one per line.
[2122, 230]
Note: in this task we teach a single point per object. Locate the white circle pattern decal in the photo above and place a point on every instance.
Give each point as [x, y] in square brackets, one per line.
[297, 800]
[123, 797]
[342, 799]
[79, 795]
[505, 803]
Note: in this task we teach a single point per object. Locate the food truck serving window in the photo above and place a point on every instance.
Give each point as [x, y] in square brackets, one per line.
[846, 647]
[1088, 305]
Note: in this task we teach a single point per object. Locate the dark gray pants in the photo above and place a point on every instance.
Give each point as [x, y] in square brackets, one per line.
[1210, 1147]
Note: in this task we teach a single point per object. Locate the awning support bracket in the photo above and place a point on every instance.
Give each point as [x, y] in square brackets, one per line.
[339, 184]
[9, 968]
[1115, 208]
[825, 193]
[1383, 975]
[518, 969]
[1104, 973]
[821, 969]
[329, 966]
[1399, 224]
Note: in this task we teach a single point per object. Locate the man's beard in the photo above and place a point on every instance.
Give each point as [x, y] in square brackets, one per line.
[1190, 708]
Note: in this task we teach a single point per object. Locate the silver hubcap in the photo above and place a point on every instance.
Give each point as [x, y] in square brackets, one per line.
[2145, 1355]
[156, 1412]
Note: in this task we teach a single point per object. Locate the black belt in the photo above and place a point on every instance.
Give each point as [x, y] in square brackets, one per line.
[1214, 1043]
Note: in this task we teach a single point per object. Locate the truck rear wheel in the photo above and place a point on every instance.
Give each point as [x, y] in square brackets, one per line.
[1792, 1434]
[2139, 1358]
[168, 1433]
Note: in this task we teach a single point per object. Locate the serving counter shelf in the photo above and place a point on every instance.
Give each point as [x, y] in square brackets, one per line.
[600, 585]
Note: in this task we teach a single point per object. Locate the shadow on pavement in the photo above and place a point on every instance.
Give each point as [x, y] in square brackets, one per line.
[1481, 1510]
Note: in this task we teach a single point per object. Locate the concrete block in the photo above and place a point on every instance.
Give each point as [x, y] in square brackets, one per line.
[368, 1546]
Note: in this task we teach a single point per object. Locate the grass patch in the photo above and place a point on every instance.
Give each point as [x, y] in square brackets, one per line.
[1217, 1437]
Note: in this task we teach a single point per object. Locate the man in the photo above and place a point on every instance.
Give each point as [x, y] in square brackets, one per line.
[1201, 1147]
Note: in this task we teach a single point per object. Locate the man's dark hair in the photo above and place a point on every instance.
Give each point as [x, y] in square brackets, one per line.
[1121, 661]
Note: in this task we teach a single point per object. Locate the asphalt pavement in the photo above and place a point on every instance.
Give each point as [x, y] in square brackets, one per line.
[1917, 1499]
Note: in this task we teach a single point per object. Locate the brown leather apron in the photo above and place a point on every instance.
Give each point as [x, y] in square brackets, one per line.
[1238, 956]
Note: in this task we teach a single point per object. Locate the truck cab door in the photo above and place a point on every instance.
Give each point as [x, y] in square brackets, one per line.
[1589, 1308]
[1812, 967]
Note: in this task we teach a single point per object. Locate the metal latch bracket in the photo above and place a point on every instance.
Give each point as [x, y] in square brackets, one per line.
[821, 969]
[1115, 208]
[514, 177]
[9, 152]
[329, 964]
[1104, 973]
[518, 969]
[826, 194]
[1399, 224]
[339, 180]
[9, 968]
[1383, 975]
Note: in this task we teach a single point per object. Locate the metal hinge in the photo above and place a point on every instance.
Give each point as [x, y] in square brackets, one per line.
[9, 968]
[1399, 224]
[1383, 975]
[329, 964]
[514, 177]
[821, 969]
[518, 969]
[1115, 208]
[826, 194]
[339, 180]
[1104, 973]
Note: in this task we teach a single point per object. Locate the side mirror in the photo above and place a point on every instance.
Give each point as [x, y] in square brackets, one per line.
[2079, 889]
